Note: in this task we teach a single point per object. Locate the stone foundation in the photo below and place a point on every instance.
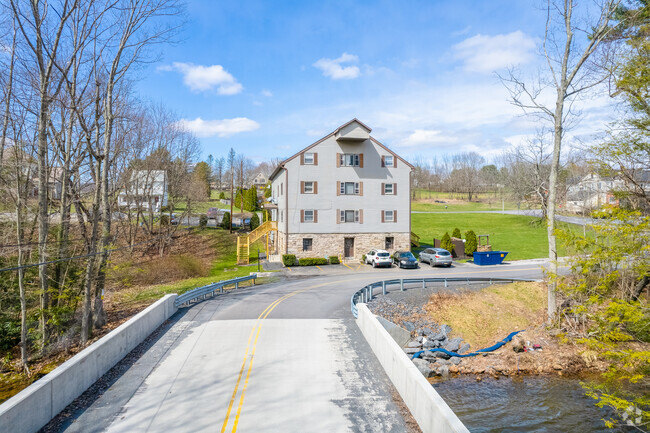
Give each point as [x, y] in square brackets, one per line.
[331, 244]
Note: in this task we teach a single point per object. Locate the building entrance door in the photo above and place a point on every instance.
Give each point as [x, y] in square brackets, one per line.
[348, 247]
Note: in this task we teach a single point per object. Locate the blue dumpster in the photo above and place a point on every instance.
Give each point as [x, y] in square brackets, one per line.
[489, 257]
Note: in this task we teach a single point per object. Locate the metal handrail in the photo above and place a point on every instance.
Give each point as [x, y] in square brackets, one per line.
[204, 291]
[365, 294]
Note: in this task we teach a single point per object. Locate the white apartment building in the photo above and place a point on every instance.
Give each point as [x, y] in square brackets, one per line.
[343, 195]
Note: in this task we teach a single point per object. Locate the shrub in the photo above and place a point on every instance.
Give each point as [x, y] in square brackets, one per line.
[471, 243]
[456, 233]
[334, 260]
[203, 221]
[312, 261]
[363, 258]
[222, 196]
[446, 243]
[225, 221]
[164, 220]
[255, 221]
[289, 259]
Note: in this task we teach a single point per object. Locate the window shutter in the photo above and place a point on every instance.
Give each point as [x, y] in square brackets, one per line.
[394, 161]
[383, 188]
[383, 217]
[338, 216]
[360, 188]
[383, 161]
[302, 187]
[302, 216]
[302, 159]
[315, 216]
[338, 187]
[338, 159]
[315, 187]
[394, 216]
[394, 189]
[360, 216]
[315, 159]
[361, 160]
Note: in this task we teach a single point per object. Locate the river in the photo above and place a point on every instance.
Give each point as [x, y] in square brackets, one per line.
[523, 404]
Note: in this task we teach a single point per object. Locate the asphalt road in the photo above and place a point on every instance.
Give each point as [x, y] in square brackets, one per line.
[282, 357]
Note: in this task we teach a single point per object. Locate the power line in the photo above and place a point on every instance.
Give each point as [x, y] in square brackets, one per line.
[33, 265]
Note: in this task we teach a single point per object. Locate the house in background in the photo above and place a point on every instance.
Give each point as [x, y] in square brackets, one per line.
[146, 189]
[259, 181]
[592, 192]
[342, 196]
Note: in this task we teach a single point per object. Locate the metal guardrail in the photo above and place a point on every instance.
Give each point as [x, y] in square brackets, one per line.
[203, 292]
[365, 294]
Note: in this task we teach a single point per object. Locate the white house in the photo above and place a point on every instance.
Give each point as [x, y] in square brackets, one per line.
[592, 192]
[260, 180]
[343, 195]
[146, 189]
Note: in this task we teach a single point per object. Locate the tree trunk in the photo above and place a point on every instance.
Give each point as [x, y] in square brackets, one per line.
[43, 218]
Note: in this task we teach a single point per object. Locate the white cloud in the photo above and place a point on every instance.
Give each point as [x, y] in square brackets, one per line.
[221, 128]
[267, 93]
[485, 54]
[424, 137]
[332, 67]
[201, 78]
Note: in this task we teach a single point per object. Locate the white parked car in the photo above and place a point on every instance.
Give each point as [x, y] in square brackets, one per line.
[378, 258]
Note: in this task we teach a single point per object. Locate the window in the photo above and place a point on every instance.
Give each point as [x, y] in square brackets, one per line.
[389, 188]
[389, 216]
[350, 188]
[388, 161]
[308, 187]
[349, 216]
[308, 158]
[309, 216]
[306, 244]
[349, 160]
[389, 243]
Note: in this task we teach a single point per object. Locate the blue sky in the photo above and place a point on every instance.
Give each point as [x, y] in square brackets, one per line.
[270, 77]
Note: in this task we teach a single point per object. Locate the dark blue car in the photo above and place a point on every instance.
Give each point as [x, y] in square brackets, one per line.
[405, 259]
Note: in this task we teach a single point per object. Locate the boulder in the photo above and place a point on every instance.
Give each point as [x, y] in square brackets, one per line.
[455, 360]
[409, 326]
[444, 329]
[518, 344]
[426, 331]
[423, 367]
[442, 355]
[430, 344]
[429, 356]
[414, 344]
[399, 334]
[453, 344]
[411, 350]
[439, 336]
[463, 349]
[442, 370]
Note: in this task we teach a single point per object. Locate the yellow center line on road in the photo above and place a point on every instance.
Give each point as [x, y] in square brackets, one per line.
[258, 327]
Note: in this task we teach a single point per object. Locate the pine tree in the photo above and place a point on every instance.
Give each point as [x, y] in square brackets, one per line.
[456, 233]
[446, 243]
[471, 243]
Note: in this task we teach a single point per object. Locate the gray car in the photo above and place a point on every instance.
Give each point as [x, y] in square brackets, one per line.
[436, 256]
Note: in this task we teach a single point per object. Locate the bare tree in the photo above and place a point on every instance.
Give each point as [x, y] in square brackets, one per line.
[568, 46]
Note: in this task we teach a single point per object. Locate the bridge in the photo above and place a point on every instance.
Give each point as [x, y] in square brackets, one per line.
[285, 357]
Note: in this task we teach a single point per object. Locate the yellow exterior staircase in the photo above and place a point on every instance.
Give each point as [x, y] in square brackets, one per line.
[415, 240]
[244, 242]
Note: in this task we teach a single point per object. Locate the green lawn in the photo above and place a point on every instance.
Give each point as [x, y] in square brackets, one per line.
[522, 236]
[460, 207]
[203, 206]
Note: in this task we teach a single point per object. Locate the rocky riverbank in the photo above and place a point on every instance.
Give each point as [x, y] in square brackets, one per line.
[533, 351]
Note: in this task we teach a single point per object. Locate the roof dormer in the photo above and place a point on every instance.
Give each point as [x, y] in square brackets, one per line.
[352, 131]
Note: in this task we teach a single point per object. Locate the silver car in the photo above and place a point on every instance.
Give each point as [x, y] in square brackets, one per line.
[436, 256]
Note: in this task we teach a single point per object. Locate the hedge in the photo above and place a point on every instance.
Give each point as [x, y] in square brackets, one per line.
[289, 260]
[334, 260]
[313, 261]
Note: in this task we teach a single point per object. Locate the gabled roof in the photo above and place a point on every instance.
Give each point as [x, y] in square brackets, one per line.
[333, 134]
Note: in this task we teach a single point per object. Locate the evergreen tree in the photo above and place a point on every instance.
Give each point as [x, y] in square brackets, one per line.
[255, 221]
[471, 242]
[225, 222]
[456, 233]
[446, 243]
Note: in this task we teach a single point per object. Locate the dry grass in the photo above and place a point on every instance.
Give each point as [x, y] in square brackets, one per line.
[484, 317]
